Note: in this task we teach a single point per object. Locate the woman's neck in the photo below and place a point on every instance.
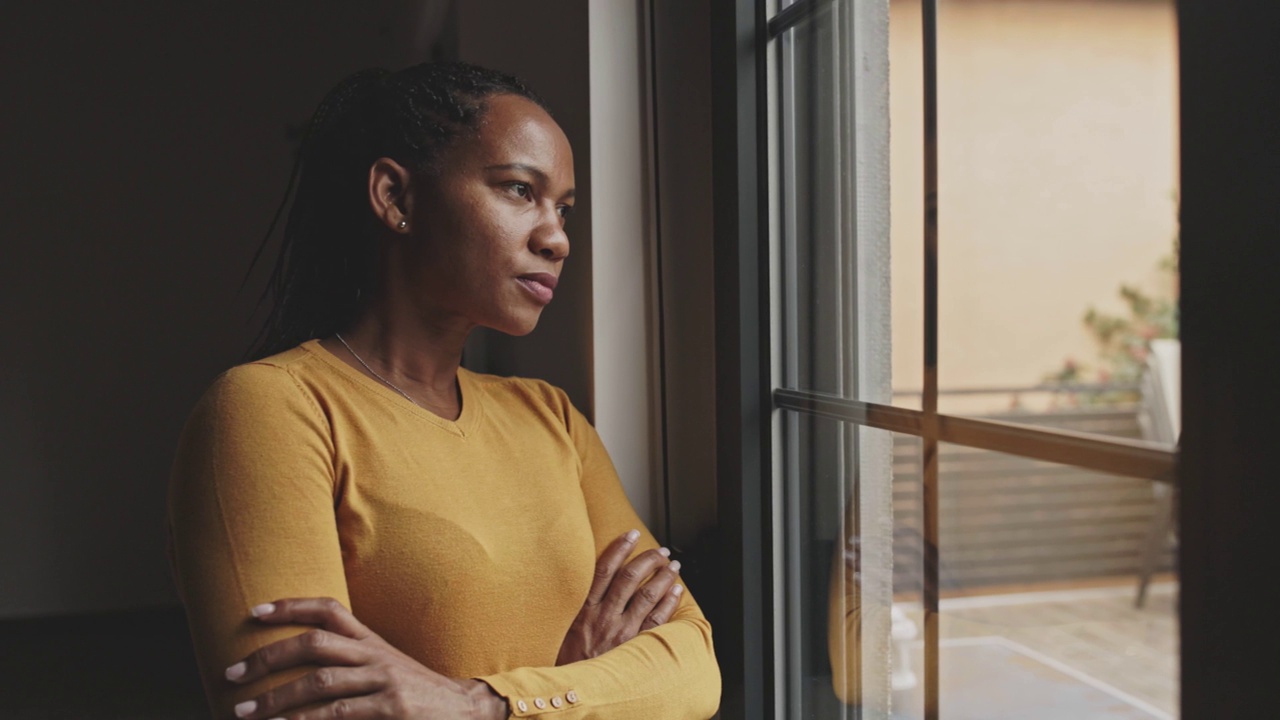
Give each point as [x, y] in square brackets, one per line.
[418, 356]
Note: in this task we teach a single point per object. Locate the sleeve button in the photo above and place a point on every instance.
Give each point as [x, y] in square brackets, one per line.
[556, 702]
[571, 696]
[522, 706]
[540, 703]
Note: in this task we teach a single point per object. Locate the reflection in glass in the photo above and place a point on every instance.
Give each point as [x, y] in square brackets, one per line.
[837, 546]
[834, 510]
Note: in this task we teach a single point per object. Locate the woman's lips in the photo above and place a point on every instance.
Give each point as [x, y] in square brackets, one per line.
[540, 285]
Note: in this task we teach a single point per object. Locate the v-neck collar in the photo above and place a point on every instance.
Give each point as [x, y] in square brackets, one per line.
[467, 420]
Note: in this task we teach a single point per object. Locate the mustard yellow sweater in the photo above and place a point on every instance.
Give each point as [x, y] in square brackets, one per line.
[468, 545]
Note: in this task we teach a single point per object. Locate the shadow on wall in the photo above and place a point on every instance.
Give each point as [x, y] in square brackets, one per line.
[147, 150]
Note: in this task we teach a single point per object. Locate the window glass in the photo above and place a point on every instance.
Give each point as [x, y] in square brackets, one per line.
[838, 542]
[1057, 137]
[1041, 568]
[1040, 208]
[818, 246]
[829, 117]
[832, 132]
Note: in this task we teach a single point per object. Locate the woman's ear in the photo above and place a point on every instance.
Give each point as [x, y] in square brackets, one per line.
[389, 194]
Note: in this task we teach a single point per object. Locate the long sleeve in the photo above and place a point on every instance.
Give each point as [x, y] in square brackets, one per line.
[669, 672]
[462, 543]
[251, 510]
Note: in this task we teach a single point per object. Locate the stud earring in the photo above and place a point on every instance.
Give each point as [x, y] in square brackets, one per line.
[402, 224]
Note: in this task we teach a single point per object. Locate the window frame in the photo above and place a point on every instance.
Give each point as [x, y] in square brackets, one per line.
[1125, 457]
[744, 406]
[1228, 504]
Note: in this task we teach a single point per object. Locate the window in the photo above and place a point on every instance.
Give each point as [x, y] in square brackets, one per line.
[866, 485]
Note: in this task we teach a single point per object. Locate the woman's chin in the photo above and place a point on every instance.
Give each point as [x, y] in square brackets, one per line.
[518, 326]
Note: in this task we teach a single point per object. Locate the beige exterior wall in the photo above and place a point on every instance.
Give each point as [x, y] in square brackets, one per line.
[1057, 176]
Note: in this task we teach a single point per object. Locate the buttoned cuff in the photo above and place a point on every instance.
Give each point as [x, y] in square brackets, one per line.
[521, 703]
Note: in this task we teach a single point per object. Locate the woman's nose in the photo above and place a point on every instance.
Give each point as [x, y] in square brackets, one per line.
[549, 239]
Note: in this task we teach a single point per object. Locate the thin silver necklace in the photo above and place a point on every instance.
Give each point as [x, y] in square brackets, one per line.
[390, 384]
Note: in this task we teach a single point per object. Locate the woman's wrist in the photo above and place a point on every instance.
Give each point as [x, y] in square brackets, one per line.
[485, 703]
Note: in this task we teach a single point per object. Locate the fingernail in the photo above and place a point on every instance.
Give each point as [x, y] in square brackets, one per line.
[235, 672]
[633, 535]
[678, 590]
[674, 567]
[664, 552]
[263, 609]
[246, 707]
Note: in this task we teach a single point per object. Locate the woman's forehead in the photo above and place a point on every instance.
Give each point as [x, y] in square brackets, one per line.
[518, 131]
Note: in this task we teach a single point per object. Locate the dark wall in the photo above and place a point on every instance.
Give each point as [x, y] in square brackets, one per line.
[145, 148]
[1230, 85]
[682, 115]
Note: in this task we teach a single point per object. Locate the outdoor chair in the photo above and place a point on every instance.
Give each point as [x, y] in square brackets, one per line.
[1161, 422]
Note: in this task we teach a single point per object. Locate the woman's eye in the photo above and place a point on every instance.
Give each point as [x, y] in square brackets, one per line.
[521, 189]
[565, 210]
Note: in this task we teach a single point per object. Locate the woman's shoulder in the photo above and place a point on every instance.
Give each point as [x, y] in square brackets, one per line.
[268, 383]
[521, 391]
[253, 415]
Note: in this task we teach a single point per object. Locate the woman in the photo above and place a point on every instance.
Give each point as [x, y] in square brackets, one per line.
[364, 529]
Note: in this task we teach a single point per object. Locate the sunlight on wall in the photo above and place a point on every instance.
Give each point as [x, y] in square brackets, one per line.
[1057, 179]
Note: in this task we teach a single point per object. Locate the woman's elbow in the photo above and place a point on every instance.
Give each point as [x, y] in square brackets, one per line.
[705, 700]
[848, 690]
[706, 703]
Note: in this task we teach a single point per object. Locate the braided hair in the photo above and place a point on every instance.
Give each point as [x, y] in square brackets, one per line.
[326, 267]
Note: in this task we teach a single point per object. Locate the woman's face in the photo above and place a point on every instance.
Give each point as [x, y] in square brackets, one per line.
[487, 232]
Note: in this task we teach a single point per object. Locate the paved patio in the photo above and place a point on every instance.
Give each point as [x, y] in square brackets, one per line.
[1096, 645]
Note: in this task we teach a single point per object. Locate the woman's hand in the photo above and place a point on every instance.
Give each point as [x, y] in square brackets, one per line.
[361, 675]
[618, 606]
